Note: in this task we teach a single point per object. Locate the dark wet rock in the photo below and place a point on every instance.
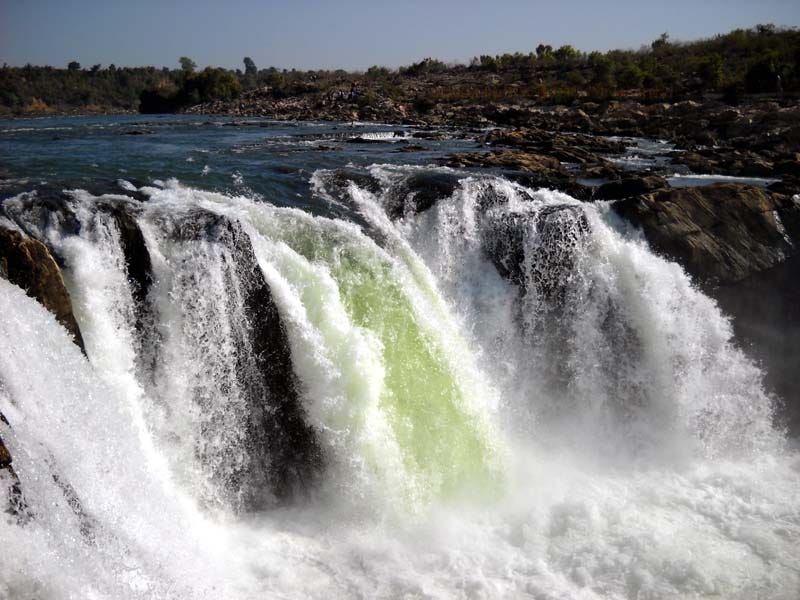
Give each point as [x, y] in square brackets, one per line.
[362, 140]
[697, 163]
[17, 506]
[603, 170]
[788, 186]
[788, 167]
[419, 192]
[285, 455]
[537, 249]
[48, 205]
[138, 132]
[137, 257]
[28, 263]
[567, 185]
[342, 178]
[630, 186]
[430, 135]
[720, 233]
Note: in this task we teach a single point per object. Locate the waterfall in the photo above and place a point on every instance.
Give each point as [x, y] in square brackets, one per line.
[462, 389]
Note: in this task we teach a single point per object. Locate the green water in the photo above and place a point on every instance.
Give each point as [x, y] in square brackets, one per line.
[446, 445]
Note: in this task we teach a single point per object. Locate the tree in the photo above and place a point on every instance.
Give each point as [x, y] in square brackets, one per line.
[250, 69]
[74, 66]
[601, 67]
[96, 68]
[709, 70]
[661, 42]
[762, 75]
[566, 52]
[630, 76]
[188, 66]
[211, 84]
[543, 51]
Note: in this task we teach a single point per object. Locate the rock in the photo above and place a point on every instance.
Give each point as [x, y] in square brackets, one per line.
[419, 192]
[284, 454]
[559, 231]
[721, 233]
[507, 159]
[630, 186]
[28, 263]
[9, 478]
[788, 167]
[697, 163]
[137, 257]
[362, 140]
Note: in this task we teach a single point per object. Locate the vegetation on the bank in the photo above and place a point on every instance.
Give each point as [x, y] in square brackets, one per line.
[765, 59]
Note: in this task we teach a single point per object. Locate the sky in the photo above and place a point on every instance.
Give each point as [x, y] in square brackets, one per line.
[351, 34]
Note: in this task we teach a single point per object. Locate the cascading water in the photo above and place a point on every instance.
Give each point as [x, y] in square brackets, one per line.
[504, 395]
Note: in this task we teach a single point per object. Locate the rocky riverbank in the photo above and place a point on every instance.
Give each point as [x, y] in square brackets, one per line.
[759, 138]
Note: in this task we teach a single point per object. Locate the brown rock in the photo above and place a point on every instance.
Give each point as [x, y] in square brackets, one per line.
[507, 159]
[28, 263]
[719, 233]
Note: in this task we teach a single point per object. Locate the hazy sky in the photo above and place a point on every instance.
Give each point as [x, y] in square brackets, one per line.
[351, 33]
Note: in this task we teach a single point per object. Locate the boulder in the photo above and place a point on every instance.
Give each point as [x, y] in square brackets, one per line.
[284, 453]
[137, 257]
[720, 233]
[28, 263]
[419, 192]
[557, 233]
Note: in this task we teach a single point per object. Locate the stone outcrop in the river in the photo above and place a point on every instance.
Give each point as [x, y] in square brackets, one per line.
[720, 233]
[285, 455]
[28, 263]
[536, 251]
[419, 192]
[137, 257]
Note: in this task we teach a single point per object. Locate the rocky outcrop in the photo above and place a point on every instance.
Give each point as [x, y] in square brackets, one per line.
[285, 455]
[137, 257]
[721, 233]
[28, 263]
[419, 192]
[537, 250]
[508, 159]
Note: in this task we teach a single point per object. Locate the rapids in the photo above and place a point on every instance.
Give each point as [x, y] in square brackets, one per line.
[505, 395]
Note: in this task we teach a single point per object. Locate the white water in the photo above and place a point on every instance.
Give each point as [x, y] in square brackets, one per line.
[480, 442]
